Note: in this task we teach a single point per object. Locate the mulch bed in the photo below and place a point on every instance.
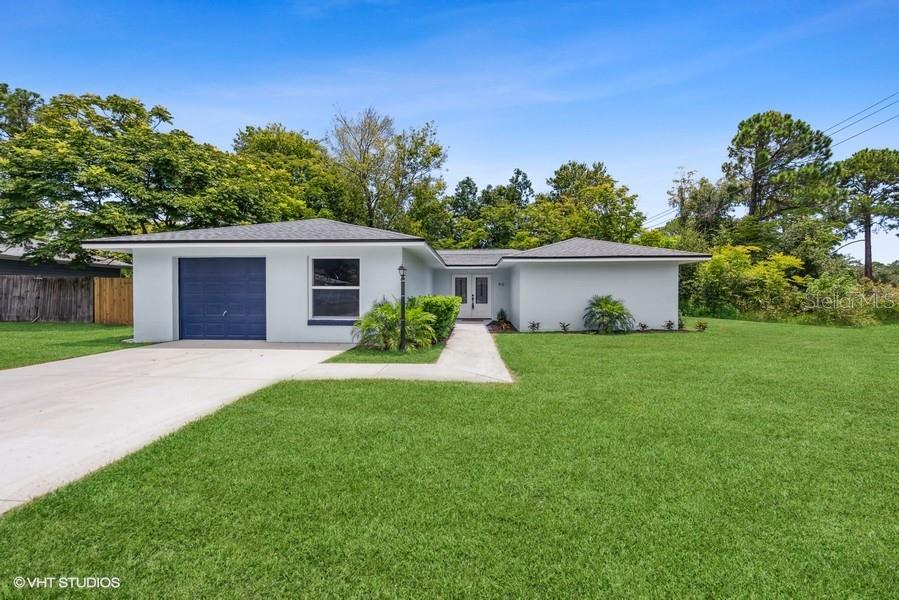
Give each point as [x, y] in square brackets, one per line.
[496, 327]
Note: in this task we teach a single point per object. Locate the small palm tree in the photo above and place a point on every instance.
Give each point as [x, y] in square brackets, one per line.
[605, 314]
[380, 327]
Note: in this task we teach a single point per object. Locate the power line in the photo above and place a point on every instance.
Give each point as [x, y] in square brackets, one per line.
[861, 111]
[661, 216]
[674, 209]
[866, 116]
[866, 130]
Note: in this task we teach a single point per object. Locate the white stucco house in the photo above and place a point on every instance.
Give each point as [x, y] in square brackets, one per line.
[307, 281]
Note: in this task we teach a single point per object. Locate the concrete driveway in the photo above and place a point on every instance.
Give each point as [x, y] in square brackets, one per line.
[62, 420]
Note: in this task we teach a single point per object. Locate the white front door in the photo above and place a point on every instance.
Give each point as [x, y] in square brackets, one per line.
[474, 291]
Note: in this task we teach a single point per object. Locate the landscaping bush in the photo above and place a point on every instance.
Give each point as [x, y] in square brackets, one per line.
[732, 282]
[534, 326]
[379, 328]
[839, 298]
[605, 314]
[445, 310]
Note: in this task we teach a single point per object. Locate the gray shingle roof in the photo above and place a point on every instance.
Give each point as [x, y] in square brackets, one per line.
[18, 253]
[587, 248]
[486, 257]
[307, 230]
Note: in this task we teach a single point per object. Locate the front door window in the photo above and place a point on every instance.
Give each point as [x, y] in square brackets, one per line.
[474, 291]
[480, 290]
[461, 288]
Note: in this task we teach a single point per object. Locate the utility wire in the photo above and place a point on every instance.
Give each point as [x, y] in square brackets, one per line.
[861, 111]
[671, 210]
[866, 130]
[661, 214]
[865, 117]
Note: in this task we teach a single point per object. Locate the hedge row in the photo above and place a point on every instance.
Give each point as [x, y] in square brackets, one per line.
[445, 310]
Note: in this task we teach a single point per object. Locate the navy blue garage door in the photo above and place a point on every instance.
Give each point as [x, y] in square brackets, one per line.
[221, 298]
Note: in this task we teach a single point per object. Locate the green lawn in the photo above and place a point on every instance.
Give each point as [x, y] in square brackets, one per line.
[751, 460]
[367, 355]
[31, 343]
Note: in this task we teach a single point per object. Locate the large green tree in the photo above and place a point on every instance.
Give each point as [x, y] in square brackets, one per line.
[314, 175]
[586, 201]
[384, 167]
[779, 164]
[17, 110]
[871, 181]
[573, 178]
[91, 166]
[464, 201]
[702, 205]
[518, 192]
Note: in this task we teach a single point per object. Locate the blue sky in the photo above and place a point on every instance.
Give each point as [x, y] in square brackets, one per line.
[645, 88]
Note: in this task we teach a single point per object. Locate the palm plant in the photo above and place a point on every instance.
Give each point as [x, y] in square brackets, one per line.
[605, 314]
[380, 327]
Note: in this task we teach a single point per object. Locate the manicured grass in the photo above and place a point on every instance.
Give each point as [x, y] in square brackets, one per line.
[367, 355]
[753, 460]
[31, 343]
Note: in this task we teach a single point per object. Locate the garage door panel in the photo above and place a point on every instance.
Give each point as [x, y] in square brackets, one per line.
[222, 298]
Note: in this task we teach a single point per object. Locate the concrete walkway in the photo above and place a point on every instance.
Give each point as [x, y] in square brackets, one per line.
[470, 355]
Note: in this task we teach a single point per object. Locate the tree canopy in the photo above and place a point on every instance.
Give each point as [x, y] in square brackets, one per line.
[778, 164]
[77, 167]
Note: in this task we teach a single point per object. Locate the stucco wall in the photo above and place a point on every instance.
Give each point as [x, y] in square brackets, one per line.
[419, 276]
[514, 312]
[440, 282]
[287, 288]
[551, 293]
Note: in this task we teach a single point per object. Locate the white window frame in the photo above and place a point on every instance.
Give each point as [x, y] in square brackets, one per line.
[313, 287]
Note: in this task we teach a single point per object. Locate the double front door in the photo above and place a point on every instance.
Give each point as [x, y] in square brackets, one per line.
[474, 290]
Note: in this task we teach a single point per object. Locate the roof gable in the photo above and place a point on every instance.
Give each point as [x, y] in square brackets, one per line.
[475, 257]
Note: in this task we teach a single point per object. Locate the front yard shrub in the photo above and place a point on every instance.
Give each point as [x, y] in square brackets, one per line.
[379, 328]
[605, 314]
[735, 279]
[669, 325]
[642, 326]
[445, 310]
[534, 326]
[565, 327]
[701, 325]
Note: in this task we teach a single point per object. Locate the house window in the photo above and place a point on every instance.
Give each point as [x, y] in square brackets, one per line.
[335, 288]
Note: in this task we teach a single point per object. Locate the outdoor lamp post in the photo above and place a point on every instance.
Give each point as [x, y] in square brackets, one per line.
[402, 271]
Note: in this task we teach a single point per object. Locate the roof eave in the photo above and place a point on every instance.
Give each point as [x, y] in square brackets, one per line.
[106, 244]
[621, 258]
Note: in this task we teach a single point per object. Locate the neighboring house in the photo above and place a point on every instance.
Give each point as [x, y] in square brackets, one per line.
[307, 281]
[12, 262]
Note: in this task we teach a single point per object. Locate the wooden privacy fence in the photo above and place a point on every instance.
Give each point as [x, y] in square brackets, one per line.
[112, 301]
[78, 299]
